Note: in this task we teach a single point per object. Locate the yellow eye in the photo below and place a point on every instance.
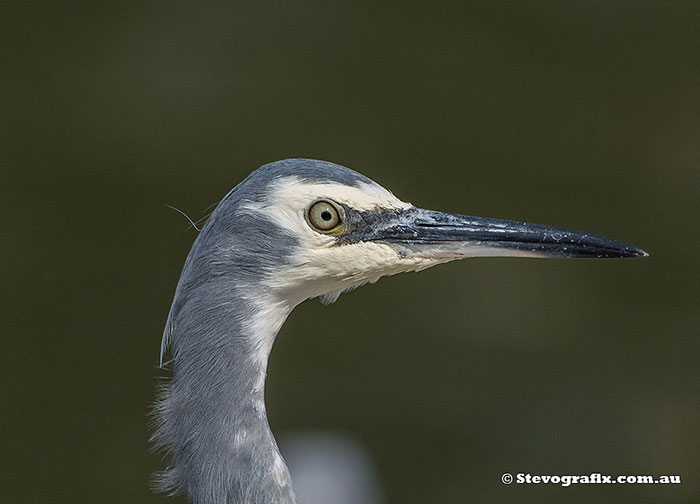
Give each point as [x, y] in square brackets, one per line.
[324, 216]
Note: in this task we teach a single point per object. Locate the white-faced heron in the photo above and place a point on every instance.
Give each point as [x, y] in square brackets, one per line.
[293, 230]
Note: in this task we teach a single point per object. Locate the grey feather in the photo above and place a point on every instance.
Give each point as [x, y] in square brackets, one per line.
[211, 397]
[211, 416]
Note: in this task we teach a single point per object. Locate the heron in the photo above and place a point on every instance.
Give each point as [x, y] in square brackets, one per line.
[293, 230]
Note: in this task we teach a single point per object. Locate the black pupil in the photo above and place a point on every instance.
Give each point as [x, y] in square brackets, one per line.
[326, 215]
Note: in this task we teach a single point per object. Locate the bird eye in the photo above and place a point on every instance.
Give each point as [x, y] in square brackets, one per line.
[324, 216]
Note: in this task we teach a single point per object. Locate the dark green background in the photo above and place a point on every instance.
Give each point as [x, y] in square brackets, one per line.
[575, 113]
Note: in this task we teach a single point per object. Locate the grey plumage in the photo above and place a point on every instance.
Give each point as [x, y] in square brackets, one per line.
[211, 397]
[253, 261]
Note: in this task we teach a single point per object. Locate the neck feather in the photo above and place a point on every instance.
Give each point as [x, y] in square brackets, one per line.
[212, 417]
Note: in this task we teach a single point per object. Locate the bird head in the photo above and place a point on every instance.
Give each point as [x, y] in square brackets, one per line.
[340, 230]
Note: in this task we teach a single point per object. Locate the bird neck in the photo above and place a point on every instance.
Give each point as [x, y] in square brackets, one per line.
[212, 415]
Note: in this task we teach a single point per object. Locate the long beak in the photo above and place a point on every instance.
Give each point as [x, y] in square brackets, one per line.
[427, 233]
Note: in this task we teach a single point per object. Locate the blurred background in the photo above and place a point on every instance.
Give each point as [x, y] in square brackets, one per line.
[579, 114]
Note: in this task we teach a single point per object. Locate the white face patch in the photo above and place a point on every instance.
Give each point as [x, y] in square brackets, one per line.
[297, 193]
[347, 267]
[290, 197]
[321, 267]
